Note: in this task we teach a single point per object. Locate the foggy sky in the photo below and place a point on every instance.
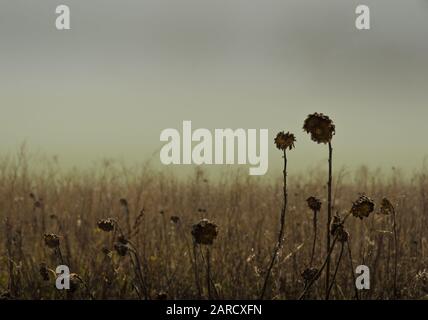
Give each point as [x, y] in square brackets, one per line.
[129, 69]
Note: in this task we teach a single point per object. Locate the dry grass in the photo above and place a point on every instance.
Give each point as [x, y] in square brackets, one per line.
[161, 260]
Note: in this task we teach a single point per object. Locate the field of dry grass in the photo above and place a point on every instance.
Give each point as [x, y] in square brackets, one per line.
[150, 253]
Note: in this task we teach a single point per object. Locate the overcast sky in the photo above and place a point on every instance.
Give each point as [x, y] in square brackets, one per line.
[129, 69]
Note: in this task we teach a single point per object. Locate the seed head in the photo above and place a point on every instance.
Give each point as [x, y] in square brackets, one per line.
[51, 240]
[320, 127]
[386, 207]
[362, 207]
[106, 225]
[314, 204]
[336, 224]
[342, 235]
[204, 232]
[284, 141]
[337, 229]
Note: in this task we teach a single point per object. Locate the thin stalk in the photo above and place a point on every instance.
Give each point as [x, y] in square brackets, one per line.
[59, 255]
[302, 295]
[352, 270]
[195, 267]
[330, 166]
[335, 271]
[208, 258]
[137, 268]
[394, 226]
[211, 285]
[281, 230]
[315, 238]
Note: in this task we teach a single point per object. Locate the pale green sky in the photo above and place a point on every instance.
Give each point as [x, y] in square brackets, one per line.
[129, 69]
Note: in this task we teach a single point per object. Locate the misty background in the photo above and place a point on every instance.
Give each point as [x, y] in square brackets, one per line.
[129, 69]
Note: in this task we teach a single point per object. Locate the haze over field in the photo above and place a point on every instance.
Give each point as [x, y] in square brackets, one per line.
[128, 70]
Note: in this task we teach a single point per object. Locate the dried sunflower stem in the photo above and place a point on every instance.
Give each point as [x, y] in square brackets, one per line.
[394, 227]
[195, 267]
[303, 294]
[210, 283]
[88, 291]
[208, 272]
[330, 165]
[335, 271]
[137, 268]
[315, 238]
[59, 255]
[281, 230]
[352, 270]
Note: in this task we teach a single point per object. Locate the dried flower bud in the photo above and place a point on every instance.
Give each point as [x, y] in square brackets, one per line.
[106, 225]
[284, 141]
[362, 207]
[320, 127]
[342, 235]
[51, 240]
[336, 223]
[337, 229]
[314, 204]
[204, 232]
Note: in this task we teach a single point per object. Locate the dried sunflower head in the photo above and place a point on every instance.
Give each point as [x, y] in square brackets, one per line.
[336, 224]
[310, 274]
[51, 240]
[314, 204]
[338, 229]
[386, 207]
[106, 225]
[362, 207]
[342, 235]
[284, 141]
[320, 127]
[204, 232]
